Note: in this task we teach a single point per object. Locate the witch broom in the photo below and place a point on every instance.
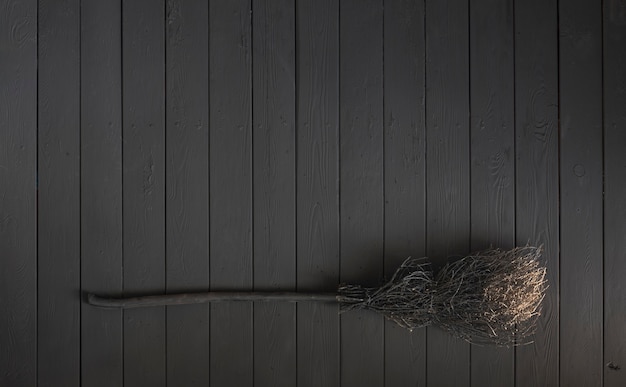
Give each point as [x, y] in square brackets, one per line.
[489, 297]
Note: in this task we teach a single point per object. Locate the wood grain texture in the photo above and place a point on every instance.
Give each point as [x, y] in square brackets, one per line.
[317, 200]
[101, 190]
[58, 312]
[448, 171]
[581, 292]
[187, 188]
[115, 179]
[614, 21]
[18, 192]
[143, 55]
[537, 174]
[274, 182]
[231, 189]
[405, 173]
[361, 184]
[492, 157]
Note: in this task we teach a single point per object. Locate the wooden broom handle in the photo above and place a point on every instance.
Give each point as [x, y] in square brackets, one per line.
[201, 298]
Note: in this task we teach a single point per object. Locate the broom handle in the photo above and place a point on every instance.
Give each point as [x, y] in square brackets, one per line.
[201, 298]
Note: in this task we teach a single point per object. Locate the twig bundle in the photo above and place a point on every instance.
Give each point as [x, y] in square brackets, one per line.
[493, 296]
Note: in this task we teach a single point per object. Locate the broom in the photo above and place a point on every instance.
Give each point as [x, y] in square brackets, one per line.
[489, 297]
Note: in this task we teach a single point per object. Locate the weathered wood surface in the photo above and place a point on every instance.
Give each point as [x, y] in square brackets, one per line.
[101, 200]
[537, 174]
[447, 168]
[58, 279]
[185, 146]
[492, 157]
[317, 188]
[18, 192]
[230, 196]
[614, 122]
[361, 183]
[187, 188]
[404, 173]
[143, 72]
[274, 186]
[581, 179]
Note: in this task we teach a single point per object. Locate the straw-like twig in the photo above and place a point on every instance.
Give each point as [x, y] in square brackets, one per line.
[493, 296]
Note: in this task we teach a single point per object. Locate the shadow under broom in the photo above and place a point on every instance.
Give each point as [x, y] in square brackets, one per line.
[489, 297]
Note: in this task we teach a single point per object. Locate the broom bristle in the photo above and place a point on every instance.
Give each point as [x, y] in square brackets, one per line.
[405, 299]
[493, 296]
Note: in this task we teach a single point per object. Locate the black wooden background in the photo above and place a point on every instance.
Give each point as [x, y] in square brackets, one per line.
[160, 146]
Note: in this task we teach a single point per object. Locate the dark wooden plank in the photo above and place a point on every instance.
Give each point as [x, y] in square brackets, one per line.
[144, 187]
[187, 188]
[58, 317]
[231, 189]
[101, 189]
[405, 173]
[317, 98]
[580, 90]
[18, 174]
[614, 21]
[448, 185]
[537, 179]
[361, 183]
[492, 157]
[274, 183]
